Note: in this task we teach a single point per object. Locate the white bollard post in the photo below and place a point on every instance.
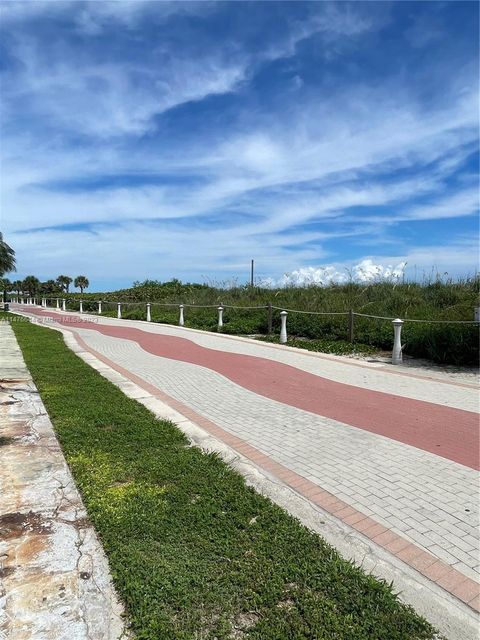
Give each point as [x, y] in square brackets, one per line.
[283, 327]
[58, 303]
[149, 315]
[34, 302]
[44, 304]
[64, 306]
[220, 318]
[397, 341]
[99, 307]
[476, 314]
[181, 320]
[81, 306]
[119, 310]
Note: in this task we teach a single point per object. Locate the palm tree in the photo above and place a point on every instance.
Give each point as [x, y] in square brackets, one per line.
[81, 282]
[5, 286]
[17, 286]
[64, 282]
[50, 286]
[7, 257]
[31, 285]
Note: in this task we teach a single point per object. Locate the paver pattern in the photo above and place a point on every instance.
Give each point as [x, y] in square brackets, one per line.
[364, 434]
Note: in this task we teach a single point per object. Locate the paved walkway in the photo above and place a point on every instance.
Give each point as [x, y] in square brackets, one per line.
[391, 454]
[54, 578]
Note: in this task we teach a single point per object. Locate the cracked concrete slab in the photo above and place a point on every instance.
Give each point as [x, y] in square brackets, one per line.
[54, 577]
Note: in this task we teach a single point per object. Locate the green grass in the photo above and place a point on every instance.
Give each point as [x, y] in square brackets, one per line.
[338, 347]
[194, 552]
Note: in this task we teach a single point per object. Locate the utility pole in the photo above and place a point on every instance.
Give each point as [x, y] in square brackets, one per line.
[251, 274]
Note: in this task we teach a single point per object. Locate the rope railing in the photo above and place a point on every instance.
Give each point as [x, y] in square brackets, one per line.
[201, 306]
[367, 315]
[61, 304]
[163, 304]
[443, 321]
[246, 308]
[314, 313]
[232, 306]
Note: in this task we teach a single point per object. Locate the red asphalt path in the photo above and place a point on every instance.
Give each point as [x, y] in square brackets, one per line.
[444, 431]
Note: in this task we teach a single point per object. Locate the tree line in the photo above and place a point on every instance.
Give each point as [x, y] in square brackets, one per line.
[32, 286]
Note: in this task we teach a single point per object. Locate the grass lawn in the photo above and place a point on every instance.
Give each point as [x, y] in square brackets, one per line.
[194, 552]
[338, 347]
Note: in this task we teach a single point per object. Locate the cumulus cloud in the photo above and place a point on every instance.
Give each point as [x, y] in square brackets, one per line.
[364, 272]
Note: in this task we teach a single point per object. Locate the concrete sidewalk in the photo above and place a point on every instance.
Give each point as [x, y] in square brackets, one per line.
[395, 475]
[54, 577]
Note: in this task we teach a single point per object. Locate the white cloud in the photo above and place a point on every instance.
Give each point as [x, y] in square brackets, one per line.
[93, 16]
[365, 271]
[464, 203]
[105, 100]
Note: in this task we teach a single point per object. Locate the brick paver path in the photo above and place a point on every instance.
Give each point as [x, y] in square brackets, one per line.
[392, 454]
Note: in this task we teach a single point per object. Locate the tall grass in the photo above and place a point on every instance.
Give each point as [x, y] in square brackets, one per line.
[433, 299]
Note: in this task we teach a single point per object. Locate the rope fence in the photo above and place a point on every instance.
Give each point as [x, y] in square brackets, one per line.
[313, 313]
[61, 304]
[366, 315]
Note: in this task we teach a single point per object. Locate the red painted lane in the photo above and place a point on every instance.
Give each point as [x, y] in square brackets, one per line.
[444, 431]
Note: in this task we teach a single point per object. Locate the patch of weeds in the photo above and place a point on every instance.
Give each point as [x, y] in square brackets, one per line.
[337, 347]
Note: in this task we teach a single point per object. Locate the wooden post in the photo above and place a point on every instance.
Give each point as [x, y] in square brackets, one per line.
[350, 326]
[269, 318]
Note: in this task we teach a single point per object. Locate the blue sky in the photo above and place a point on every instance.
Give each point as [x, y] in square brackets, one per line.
[176, 139]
